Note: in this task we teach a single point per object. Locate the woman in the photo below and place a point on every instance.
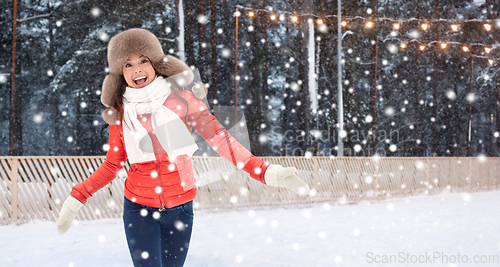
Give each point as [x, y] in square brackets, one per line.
[150, 121]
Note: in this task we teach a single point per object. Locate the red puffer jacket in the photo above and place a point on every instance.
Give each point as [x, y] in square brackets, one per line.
[161, 182]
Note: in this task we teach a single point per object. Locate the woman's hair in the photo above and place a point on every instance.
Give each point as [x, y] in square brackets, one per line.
[118, 101]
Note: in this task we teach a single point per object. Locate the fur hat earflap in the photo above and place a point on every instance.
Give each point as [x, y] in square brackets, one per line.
[140, 42]
[111, 87]
[111, 116]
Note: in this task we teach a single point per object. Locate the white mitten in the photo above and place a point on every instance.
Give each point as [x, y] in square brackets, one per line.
[68, 213]
[277, 175]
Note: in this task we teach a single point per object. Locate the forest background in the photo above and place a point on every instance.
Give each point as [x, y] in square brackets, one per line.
[421, 80]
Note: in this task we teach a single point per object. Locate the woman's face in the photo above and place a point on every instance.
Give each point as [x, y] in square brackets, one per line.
[138, 71]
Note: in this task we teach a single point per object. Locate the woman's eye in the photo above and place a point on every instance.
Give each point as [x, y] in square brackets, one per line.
[128, 65]
[144, 61]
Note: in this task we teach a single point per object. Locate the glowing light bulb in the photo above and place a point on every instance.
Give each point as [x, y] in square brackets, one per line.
[369, 24]
[295, 18]
[490, 61]
[403, 45]
[444, 45]
[343, 23]
[396, 26]
[454, 27]
[251, 14]
[425, 26]
[319, 21]
[422, 47]
[487, 50]
[273, 17]
[465, 48]
[487, 26]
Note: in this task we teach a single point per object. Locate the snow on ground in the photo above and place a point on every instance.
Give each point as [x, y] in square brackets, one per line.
[452, 228]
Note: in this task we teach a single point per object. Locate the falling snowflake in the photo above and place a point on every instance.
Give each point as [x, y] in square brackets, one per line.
[390, 111]
[251, 213]
[96, 12]
[37, 118]
[420, 165]
[415, 34]
[179, 225]
[244, 191]
[158, 190]
[103, 36]
[471, 97]
[357, 148]
[466, 197]
[390, 207]
[226, 53]
[322, 235]
[356, 232]
[368, 119]
[201, 19]
[239, 259]
[312, 192]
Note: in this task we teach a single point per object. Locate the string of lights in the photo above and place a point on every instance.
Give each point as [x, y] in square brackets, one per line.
[294, 16]
[397, 23]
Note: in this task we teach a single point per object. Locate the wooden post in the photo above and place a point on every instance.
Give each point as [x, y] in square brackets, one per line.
[14, 190]
[427, 174]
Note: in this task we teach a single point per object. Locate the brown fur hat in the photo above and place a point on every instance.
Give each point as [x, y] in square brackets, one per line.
[139, 42]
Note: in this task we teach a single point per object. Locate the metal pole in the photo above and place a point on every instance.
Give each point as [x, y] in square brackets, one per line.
[340, 108]
[13, 77]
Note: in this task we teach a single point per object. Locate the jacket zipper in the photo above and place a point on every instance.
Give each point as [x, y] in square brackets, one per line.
[158, 178]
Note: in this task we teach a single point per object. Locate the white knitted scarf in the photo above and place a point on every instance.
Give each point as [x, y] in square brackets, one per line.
[170, 130]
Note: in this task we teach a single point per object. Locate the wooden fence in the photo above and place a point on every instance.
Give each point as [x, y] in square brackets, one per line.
[35, 187]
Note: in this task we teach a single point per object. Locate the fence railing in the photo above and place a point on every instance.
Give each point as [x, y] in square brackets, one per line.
[35, 187]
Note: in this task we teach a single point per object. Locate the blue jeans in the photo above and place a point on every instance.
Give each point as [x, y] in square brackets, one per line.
[158, 238]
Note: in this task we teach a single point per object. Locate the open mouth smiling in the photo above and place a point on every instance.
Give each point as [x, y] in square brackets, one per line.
[140, 80]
